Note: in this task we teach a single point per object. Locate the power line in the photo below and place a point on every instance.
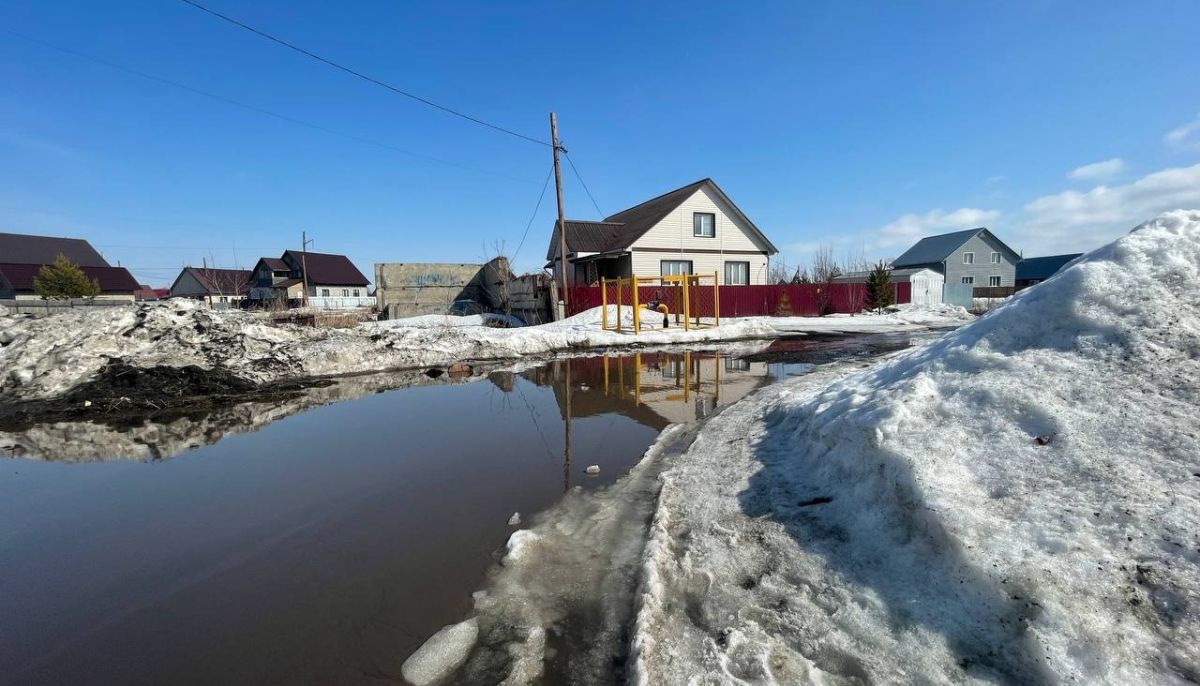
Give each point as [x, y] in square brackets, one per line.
[545, 185]
[581, 183]
[369, 79]
[254, 108]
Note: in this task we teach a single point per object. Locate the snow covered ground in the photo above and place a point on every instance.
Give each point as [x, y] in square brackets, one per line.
[1017, 502]
[42, 358]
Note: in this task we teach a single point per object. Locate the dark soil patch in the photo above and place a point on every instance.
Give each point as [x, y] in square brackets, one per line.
[122, 395]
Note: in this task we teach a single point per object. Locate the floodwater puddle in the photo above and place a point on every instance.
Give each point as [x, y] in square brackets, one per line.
[324, 537]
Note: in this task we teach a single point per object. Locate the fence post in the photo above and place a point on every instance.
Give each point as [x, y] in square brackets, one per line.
[603, 306]
[637, 318]
[716, 299]
[619, 282]
[687, 310]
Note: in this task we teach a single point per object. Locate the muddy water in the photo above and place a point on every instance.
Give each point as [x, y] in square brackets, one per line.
[321, 539]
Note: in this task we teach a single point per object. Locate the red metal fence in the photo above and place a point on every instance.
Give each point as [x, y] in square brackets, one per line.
[782, 300]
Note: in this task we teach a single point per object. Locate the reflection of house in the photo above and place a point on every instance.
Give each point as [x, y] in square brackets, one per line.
[1034, 270]
[691, 230]
[333, 281]
[23, 256]
[654, 389]
[217, 286]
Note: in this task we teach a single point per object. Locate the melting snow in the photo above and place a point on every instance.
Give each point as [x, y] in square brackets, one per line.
[904, 523]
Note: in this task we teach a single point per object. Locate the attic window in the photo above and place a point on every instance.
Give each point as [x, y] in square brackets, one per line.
[968, 258]
[704, 224]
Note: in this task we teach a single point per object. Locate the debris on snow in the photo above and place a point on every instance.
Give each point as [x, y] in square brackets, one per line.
[952, 548]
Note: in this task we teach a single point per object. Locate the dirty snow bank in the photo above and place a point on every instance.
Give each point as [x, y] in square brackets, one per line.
[42, 358]
[1017, 502]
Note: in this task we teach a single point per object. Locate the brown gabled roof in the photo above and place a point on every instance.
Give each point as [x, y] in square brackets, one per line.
[112, 280]
[619, 231]
[19, 248]
[221, 281]
[328, 270]
[276, 264]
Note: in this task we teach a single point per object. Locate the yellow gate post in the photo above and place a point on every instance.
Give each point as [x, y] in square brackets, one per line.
[603, 305]
[687, 310]
[637, 314]
[619, 281]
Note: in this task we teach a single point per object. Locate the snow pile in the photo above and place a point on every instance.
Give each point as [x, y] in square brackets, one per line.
[41, 358]
[1018, 502]
[427, 320]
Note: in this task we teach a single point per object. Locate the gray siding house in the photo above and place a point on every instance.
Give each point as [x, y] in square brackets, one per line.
[974, 258]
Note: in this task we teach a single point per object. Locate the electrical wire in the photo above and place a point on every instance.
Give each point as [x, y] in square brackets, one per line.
[581, 183]
[254, 108]
[369, 79]
[538, 206]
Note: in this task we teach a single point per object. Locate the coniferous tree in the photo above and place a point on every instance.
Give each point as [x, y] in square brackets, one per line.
[879, 287]
[62, 280]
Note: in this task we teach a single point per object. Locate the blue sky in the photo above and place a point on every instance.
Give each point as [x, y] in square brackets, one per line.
[858, 125]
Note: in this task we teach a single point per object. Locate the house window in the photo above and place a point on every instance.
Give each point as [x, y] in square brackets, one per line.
[968, 258]
[675, 267]
[737, 273]
[737, 364]
[704, 224]
[994, 281]
[356, 292]
[345, 292]
[324, 292]
[995, 258]
[968, 279]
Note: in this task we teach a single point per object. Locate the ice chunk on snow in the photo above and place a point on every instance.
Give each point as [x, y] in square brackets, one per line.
[517, 543]
[441, 654]
[593, 470]
[515, 519]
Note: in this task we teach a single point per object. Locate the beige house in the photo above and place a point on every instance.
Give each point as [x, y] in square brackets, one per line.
[691, 230]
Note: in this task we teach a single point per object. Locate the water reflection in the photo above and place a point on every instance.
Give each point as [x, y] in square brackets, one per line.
[654, 389]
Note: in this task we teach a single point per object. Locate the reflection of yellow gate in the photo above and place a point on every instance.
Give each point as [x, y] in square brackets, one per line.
[691, 294]
[687, 378]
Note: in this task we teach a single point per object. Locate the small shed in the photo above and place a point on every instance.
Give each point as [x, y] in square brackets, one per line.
[926, 283]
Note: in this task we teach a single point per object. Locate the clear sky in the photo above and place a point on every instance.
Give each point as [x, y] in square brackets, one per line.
[859, 124]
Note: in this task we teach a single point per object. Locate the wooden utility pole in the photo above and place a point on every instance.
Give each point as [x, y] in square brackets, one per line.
[562, 225]
[303, 264]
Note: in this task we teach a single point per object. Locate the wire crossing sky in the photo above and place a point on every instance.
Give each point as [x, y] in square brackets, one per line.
[167, 133]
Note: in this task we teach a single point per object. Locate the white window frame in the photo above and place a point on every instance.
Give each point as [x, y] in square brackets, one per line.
[995, 258]
[324, 292]
[738, 263]
[345, 292]
[698, 228]
[968, 257]
[994, 281]
[968, 280]
[663, 271]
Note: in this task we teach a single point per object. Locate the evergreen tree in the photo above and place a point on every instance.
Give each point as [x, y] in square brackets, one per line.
[63, 280]
[879, 287]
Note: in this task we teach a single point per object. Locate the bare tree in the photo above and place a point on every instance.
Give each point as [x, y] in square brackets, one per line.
[779, 272]
[855, 262]
[824, 270]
